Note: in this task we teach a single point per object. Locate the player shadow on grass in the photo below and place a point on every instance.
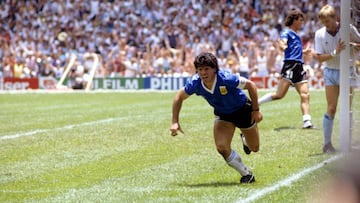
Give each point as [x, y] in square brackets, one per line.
[291, 128]
[353, 148]
[211, 184]
[284, 128]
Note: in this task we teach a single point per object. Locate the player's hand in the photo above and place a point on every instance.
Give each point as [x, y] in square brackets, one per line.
[282, 44]
[175, 127]
[341, 46]
[257, 116]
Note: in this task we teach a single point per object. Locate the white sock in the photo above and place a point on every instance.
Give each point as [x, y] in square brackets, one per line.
[265, 98]
[306, 117]
[235, 162]
[244, 140]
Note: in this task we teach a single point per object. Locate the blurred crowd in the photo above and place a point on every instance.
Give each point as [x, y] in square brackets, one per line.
[138, 38]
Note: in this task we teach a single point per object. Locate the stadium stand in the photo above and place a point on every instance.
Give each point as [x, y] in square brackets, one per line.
[139, 38]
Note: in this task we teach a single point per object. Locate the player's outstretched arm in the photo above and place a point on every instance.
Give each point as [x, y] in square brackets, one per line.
[252, 89]
[176, 107]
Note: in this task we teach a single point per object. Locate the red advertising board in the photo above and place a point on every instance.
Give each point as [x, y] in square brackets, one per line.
[19, 83]
[272, 82]
[49, 83]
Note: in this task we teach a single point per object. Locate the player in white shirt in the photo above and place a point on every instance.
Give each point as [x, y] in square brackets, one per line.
[328, 46]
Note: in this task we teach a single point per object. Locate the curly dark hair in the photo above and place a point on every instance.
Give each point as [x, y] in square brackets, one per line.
[292, 16]
[206, 59]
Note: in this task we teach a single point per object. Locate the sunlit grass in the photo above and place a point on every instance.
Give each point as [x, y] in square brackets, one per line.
[116, 147]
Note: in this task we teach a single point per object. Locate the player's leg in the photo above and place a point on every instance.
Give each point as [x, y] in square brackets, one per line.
[284, 83]
[332, 95]
[303, 90]
[249, 131]
[251, 136]
[246, 149]
[223, 134]
[281, 91]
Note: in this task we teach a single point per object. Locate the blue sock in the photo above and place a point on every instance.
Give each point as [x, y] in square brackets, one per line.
[328, 123]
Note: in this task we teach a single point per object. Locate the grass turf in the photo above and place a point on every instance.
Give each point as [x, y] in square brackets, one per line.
[116, 147]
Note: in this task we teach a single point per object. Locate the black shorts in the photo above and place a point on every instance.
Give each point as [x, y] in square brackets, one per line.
[294, 72]
[241, 118]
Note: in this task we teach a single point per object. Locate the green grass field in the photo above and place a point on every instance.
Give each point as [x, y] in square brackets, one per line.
[116, 147]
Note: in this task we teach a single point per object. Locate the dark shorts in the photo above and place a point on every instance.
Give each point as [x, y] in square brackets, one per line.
[294, 72]
[244, 74]
[241, 118]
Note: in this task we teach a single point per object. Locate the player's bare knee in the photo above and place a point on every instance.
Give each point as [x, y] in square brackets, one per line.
[277, 96]
[331, 110]
[305, 95]
[224, 151]
[255, 148]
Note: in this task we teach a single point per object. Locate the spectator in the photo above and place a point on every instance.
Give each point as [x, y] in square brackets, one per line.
[261, 68]
[95, 25]
[243, 59]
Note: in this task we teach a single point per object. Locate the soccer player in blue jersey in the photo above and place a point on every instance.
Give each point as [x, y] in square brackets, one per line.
[292, 72]
[232, 108]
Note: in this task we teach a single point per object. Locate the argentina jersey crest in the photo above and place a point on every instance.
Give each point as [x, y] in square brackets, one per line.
[223, 90]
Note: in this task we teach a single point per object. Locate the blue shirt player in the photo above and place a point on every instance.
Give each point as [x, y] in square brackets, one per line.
[292, 72]
[232, 108]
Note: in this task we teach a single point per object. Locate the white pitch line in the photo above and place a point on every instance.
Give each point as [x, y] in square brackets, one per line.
[286, 182]
[24, 134]
[29, 133]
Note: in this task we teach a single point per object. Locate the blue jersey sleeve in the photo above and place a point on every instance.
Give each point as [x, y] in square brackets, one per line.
[191, 84]
[231, 80]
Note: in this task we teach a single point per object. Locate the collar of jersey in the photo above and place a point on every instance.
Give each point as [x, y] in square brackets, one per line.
[212, 88]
